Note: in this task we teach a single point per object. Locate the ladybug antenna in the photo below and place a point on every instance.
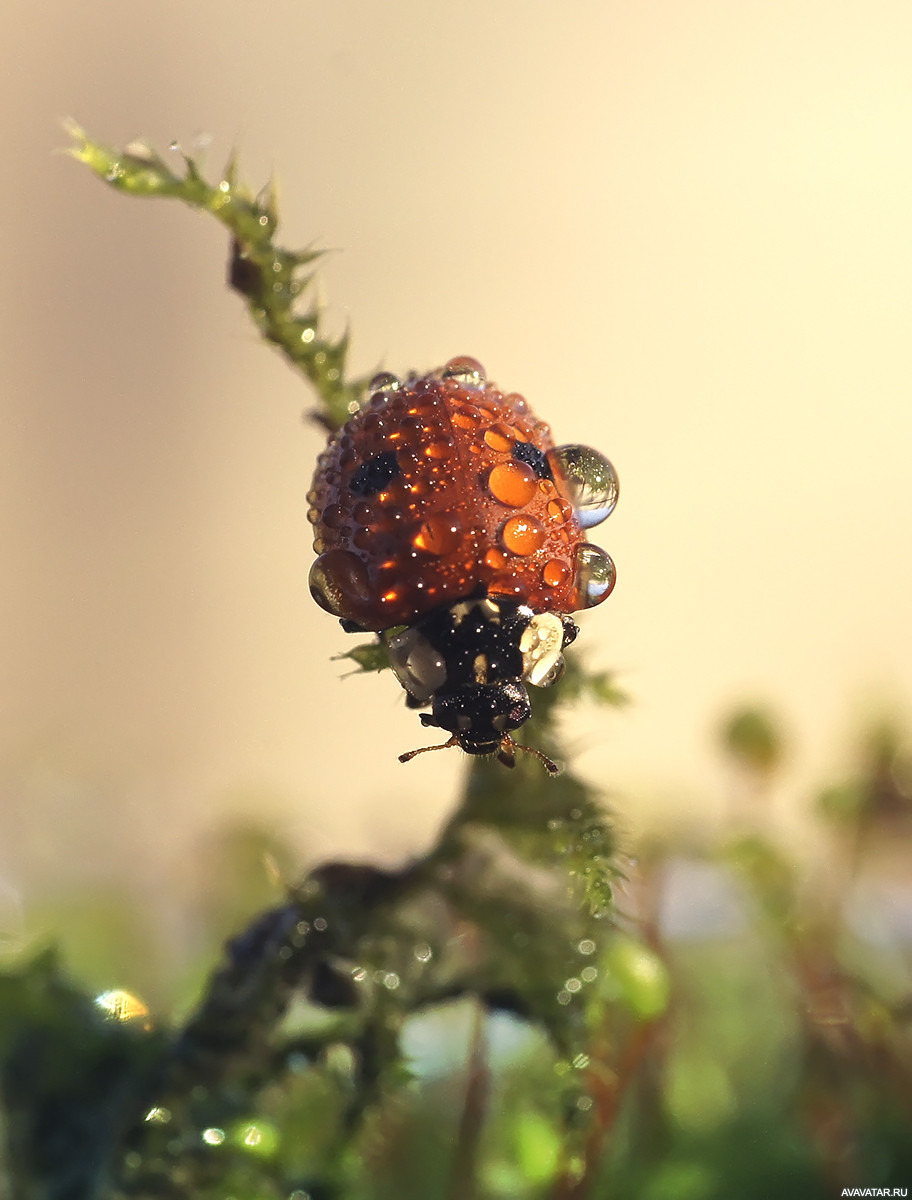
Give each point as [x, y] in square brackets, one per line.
[404, 758]
[507, 757]
[505, 753]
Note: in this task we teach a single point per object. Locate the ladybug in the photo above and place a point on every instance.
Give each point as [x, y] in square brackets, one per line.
[447, 521]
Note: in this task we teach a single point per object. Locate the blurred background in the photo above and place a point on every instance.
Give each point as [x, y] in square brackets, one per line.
[681, 231]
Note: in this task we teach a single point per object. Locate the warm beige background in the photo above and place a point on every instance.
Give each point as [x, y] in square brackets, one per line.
[684, 230]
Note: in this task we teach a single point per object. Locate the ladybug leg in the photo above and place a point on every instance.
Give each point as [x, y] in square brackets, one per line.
[409, 755]
[548, 763]
[571, 629]
[505, 753]
[352, 626]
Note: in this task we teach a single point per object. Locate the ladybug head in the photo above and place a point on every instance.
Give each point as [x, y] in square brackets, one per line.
[479, 714]
[480, 717]
[503, 750]
[470, 662]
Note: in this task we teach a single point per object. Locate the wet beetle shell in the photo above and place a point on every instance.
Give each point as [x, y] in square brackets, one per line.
[441, 488]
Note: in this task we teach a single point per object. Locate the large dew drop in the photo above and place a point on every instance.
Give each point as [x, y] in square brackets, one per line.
[465, 370]
[592, 482]
[595, 575]
[339, 582]
[386, 382]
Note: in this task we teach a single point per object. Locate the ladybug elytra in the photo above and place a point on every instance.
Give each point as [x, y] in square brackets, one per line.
[446, 520]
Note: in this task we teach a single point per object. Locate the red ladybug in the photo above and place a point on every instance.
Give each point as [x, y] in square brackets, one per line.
[446, 520]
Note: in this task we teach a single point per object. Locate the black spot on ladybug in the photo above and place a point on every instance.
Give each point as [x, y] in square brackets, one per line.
[534, 458]
[372, 476]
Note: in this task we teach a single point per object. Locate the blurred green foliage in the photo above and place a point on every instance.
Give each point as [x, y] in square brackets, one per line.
[474, 1025]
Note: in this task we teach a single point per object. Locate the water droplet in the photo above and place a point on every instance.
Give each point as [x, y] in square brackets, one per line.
[517, 402]
[555, 573]
[467, 416]
[586, 946]
[509, 586]
[559, 510]
[439, 534]
[308, 334]
[495, 559]
[390, 980]
[595, 575]
[592, 483]
[213, 1137]
[142, 152]
[589, 974]
[418, 666]
[522, 535]
[540, 646]
[374, 422]
[573, 984]
[320, 924]
[564, 997]
[465, 370]
[333, 517]
[158, 1116]
[420, 487]
[121, 1005]
[423, 952]
[499, 438]
[438, 450]
[385, 382]
[339, 582]
[513, 484]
